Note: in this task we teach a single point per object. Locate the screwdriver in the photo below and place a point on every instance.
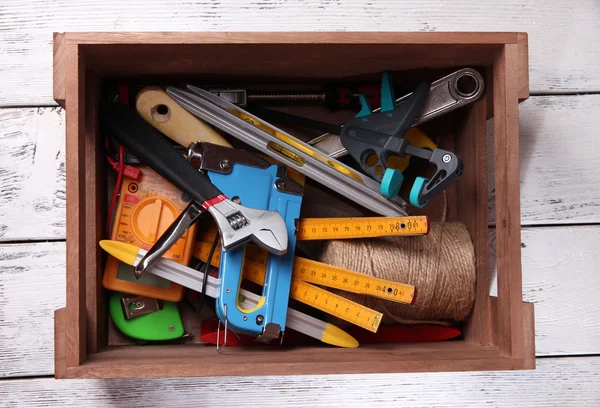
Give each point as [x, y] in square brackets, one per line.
[333, 96]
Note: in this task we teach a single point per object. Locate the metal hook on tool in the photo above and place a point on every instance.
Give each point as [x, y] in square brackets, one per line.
[219, 330]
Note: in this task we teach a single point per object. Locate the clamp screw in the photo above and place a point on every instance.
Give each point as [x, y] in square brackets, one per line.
[225, 164]
[280, 184]
[244, 318]
[171, 328]
[446, 158]
[259, 319]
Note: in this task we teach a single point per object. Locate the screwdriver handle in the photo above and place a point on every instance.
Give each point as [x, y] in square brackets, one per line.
[150, 146]
[346, 96]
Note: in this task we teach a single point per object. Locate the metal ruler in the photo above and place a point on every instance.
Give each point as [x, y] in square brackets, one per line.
[284, 147]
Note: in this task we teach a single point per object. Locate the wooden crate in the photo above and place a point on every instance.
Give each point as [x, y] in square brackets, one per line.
[500, 332]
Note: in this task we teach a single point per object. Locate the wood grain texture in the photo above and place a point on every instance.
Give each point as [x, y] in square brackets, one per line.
[556, 382]
[562, 35]
[559, 276]
[32, 174]
[558, 155]
[75, 332]
[32, 286]
[508, 214]
[58, 69]
[559, 265]
[558, 160]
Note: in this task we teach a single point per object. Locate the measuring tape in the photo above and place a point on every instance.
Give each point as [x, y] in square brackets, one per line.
[361, 227]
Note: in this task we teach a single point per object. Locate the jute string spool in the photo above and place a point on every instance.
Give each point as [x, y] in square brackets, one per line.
[441, 265]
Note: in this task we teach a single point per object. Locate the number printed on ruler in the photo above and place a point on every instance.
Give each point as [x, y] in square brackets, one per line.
[361, 227]
[320, 274]
[350, 281]
[336, 305]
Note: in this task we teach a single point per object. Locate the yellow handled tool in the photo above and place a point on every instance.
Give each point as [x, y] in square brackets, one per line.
[168, 117]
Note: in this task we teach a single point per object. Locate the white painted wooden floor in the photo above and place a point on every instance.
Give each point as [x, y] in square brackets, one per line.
[559, 183]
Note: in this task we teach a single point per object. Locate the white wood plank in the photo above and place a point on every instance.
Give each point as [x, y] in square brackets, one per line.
[559, 276]
[563, 52]
[32, 174]
[559, 164]
[556, 382]
[32, 287]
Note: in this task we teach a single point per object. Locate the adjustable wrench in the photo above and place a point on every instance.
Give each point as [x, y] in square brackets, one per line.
[237, 224]
[445, 95]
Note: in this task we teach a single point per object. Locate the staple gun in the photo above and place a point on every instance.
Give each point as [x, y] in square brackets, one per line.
[254, 182]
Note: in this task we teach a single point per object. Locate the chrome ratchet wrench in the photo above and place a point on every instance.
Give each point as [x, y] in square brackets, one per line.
[445, 95]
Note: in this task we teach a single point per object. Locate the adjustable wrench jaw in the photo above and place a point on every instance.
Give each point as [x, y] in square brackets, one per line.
[238, 224]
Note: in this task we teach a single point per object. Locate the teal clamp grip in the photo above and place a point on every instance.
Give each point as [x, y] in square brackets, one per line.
[388, 100]
[365, 107]
[391, 183]
[415, 192]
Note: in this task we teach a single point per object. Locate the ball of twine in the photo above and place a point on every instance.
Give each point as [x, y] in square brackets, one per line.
[441, 265]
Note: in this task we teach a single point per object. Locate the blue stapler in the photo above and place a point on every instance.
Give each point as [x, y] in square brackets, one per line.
[254, 182]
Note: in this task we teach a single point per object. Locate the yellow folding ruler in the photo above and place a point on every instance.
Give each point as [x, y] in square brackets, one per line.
[360, 227]
[307, 272]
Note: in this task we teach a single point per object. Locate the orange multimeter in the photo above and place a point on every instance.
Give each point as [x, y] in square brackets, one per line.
[145, 210]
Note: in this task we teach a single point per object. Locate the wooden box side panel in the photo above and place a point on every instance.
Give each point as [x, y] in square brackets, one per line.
[75, 327]
[471, 146]
[95, 222]
[58, 68]
[507, 184]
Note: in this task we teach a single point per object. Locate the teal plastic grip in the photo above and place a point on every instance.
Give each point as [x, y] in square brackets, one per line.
[365, 107]
[391, 183]
[415, 192]
[388, 100]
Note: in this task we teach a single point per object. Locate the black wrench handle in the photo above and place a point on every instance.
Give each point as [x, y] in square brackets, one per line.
[152, 148]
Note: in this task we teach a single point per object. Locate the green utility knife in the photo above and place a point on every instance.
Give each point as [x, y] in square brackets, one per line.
[143, 318]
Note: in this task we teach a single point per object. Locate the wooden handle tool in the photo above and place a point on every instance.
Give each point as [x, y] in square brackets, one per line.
[168, 117]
